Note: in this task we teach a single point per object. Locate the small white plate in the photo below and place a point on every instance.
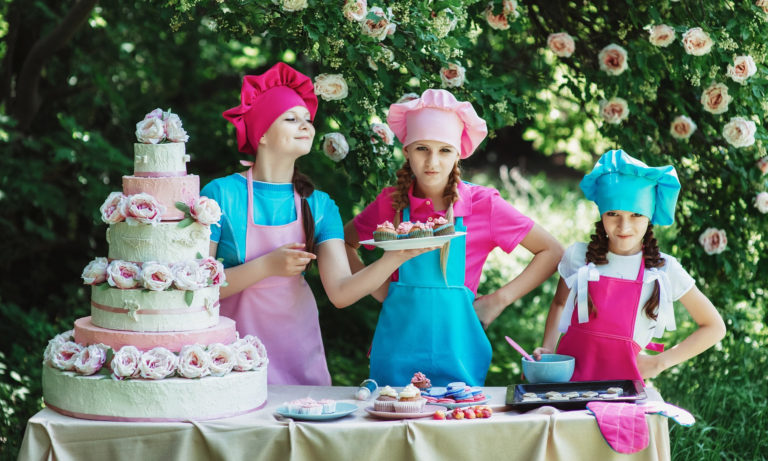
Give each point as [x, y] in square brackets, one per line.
[342, 409]
[410, 244]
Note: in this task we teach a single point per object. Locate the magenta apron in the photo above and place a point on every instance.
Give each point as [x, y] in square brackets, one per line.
[281, 311]
[604, 346]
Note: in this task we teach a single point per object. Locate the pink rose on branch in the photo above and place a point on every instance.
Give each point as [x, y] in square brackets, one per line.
[382, 133]
[331, 87]
[613, 59]
[682, 127]
[561, 44]
[661, 35]
[762, 164]
[715, 98]
[614, 110]
[740, 132]
[713, 241]
[123, 274]
[696, 42]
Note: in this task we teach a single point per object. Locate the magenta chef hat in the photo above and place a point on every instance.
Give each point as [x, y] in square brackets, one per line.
[270, 95]
[438, 116]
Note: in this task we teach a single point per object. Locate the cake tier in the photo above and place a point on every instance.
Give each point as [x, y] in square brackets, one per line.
[160, 160]
[86, 333]
[174, 399]
[167, 191]
[163, 242]
[143, 310]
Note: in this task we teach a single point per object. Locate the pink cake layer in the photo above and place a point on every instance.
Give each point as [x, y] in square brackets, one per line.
[167, 191]
[87, 333]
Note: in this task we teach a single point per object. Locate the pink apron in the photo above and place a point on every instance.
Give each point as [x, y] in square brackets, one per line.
[604, 346]
[281, 311]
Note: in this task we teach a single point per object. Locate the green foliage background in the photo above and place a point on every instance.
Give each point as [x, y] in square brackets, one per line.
[130, 57]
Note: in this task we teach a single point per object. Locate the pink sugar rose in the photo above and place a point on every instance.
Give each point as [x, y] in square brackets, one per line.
[64, 354]
[740, 132]
[54, 344]
[743, 67]
[561, 44]
[125, 363]
[260, 349]
[141, 209]
[383, 132]
[613, 59]
[188, 275]
[157, 363]
[452, 76]
[206, 211]
[682, 127]
[355, 10]
[110, 209]
[173, 130]
[123, 274]
[713, 241]
[157, 113]
[222, 359]
[661, 35]
[194, 362]
[614, 110]
[715, 98]
[155, 276]
[697, 42]
[380, 28]
[213, 271]
[91, 359]
[95, 272]
[150, 131]
[246, 356]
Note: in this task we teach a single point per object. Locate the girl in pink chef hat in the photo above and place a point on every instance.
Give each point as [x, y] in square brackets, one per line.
[274, 223]
[431, 319]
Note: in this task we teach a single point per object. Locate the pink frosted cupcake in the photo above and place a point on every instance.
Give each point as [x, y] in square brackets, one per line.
[329, 406]
[385, 231]
[420, 381]
[421, 229]
[386, 399]
[409, 400]
[443, 227]
[404, 230]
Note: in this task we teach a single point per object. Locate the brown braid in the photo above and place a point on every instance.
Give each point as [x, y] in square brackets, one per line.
[451, 194]
[597, 253]
[304, 188]
[400, 194]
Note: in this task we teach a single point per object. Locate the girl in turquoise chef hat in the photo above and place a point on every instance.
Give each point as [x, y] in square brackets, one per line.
[616, 292]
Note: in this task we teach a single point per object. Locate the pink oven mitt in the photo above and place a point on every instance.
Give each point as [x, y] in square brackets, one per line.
[624, 427]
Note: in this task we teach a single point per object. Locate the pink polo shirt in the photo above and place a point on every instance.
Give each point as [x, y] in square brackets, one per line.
[490, 220]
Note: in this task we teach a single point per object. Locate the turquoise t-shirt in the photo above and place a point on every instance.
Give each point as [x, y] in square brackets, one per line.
[272, 206]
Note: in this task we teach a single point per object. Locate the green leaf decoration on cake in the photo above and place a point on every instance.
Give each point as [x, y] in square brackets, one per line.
[105, 369]
[103, 286]
[183, 207]
[189, 296]
[199, 255]
[185, 222]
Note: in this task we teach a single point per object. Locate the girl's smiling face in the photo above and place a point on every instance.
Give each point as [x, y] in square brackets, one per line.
[625, 231]
[432, 162]
[291, 133]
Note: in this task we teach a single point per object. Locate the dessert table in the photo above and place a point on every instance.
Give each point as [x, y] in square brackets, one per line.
[544, 434]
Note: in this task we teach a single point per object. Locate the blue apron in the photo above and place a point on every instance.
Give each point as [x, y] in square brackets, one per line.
[428, 326]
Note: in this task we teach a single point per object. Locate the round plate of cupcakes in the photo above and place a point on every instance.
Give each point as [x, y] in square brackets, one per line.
[411, 235]
[315, 410]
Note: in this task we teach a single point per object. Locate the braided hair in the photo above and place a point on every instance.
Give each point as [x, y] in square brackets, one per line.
[304, 187]
[597, 253]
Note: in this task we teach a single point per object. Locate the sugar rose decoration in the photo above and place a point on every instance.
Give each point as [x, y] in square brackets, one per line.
[761, 202]
[452, 76]
[335, 146]
[561, 44]
[613, 59]
[157, 363]
[194, 361]
[715, 98]
[188, 275]
[614, 110]
[682, 127]
[160, 126]
[222, 359]
[713, 241]
[381, 27]
[123, 274]
[110, 209]
[125, 363]
[697, 42]
[91, 359]
[213, 271]
[661, 35]
[331, 87]
[141, 209]
[742, 68]
[95, 272]
[382, 133]
[740, 132]
[156, 276]
[355, 10]
[205, 211]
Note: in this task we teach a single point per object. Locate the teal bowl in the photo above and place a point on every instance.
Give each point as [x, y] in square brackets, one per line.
[552, 368]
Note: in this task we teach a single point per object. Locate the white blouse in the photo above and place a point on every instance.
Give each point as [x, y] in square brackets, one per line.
[673, 279]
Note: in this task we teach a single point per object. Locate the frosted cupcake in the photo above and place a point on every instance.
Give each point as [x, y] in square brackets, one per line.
[329, 406]
[385, 231]
[409, 400]
[443, 227]
[404, 230]
[386, 399]
[420, 381]
[421, 229]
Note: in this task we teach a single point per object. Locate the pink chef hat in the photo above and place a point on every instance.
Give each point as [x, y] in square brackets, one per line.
[270, 94]
[438, 116]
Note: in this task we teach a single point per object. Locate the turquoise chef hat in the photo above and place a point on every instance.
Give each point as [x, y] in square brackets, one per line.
[621, 182]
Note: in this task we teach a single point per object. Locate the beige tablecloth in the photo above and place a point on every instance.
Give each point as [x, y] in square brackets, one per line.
[571, 435]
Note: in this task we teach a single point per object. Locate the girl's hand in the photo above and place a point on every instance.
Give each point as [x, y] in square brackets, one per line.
[401, 256]
[288, 260]
[541, 350]
[487, 309]
[649, 366]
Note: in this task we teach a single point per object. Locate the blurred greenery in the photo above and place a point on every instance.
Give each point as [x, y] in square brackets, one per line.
[66, 131]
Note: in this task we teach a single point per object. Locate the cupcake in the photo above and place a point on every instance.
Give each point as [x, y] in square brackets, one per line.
[409, 400]
[443, 227]
[404, 230]
[329, 406]
[386, 399]
[385, 231]
[421, 229]
[421, 381]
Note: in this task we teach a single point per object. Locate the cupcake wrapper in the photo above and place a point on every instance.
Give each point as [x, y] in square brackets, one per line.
[329, 407]
[421, 233]
[414, 406]
[446, 229]
[381, 236]
[384, 405]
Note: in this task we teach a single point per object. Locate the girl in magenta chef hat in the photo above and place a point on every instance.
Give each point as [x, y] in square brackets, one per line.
[431, 320]
[615, 294]
[274, 223]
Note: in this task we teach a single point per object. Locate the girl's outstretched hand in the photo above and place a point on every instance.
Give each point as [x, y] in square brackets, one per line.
[401, 256]
[649, 366]
[541, 350]
[288, 260]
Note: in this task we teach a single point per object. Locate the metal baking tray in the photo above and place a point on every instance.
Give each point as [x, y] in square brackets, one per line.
[632, 391]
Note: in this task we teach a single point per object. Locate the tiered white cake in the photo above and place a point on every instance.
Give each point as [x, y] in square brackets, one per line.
[154, 347]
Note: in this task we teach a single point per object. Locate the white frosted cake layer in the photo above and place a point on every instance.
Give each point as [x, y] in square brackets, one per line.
[143, 310]
[164, 242]
[174, 399]
[87, 333]
[167, 191]
[160, 160]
